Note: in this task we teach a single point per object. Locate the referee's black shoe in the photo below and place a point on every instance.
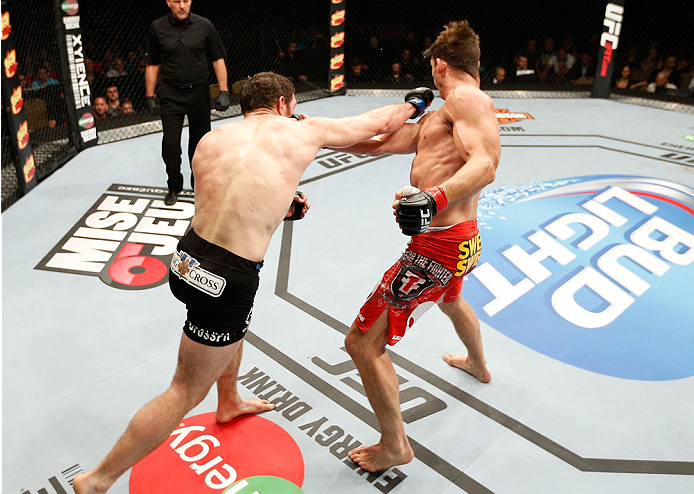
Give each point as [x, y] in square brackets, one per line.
[171, 198]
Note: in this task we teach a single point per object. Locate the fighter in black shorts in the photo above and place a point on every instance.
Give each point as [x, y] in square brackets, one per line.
[246, 174]
[218, 288]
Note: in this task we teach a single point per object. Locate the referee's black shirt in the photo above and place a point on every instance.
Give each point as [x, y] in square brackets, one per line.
[184, 49]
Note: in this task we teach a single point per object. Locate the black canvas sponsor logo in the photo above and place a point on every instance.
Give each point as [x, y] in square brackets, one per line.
[686, 159]
[416, 403]
[333, 159]
[682, 147]
[125, 239]
[58, 486]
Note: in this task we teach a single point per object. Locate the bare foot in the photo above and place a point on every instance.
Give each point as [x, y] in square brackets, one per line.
[376, 458]
[463, 362]
[245, 406]
[85, 484]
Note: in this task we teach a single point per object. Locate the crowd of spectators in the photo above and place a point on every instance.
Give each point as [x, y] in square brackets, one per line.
[116, 83]
[40, 82]
[655, 72]
[117, 78]
[116, 72]
[400, 64]
[557, 65]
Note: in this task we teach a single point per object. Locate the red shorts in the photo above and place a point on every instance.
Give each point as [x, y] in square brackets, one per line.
[430, 271]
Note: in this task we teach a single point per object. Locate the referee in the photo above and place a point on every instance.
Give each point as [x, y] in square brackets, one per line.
[183, 45]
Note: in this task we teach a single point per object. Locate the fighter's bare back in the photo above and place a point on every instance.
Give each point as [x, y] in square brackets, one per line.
[244, 183]
[247, 171]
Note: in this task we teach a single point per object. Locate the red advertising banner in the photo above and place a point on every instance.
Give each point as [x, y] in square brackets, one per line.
[13, 105]
[337, 48]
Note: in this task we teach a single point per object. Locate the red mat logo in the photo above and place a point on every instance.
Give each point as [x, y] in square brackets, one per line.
[503, 116]
[202, 456]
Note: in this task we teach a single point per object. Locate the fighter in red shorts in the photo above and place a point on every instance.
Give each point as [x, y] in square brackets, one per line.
[457, 152]
[430, 271]
[246, 174]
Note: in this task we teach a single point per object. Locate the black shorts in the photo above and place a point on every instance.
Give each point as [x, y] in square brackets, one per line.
[218, 288]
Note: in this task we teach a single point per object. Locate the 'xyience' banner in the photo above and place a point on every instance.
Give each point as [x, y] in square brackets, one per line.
[78, 95]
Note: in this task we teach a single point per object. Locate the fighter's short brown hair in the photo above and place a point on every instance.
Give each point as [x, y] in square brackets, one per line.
[459, 46]
[263, 90]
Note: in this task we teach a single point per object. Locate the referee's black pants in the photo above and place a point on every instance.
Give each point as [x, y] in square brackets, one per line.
[174, 104]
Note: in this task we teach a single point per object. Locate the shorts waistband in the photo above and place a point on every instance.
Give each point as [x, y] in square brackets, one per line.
[464, 227]
[444, 246]
[201, 247]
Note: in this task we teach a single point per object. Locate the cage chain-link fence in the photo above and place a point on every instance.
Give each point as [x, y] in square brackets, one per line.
[38, 65]
[10, 185]
[291, 39]
[547, 47]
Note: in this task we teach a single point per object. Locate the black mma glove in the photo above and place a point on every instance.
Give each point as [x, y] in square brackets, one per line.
[223, 102]
[418, 209]
[152, 106]
[420, 98]
[297, 207]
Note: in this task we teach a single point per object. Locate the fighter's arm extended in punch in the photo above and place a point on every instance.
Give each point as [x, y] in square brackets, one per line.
[403, 140]
[343, 132]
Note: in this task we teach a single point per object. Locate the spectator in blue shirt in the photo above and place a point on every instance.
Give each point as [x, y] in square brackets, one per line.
[43, 80]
